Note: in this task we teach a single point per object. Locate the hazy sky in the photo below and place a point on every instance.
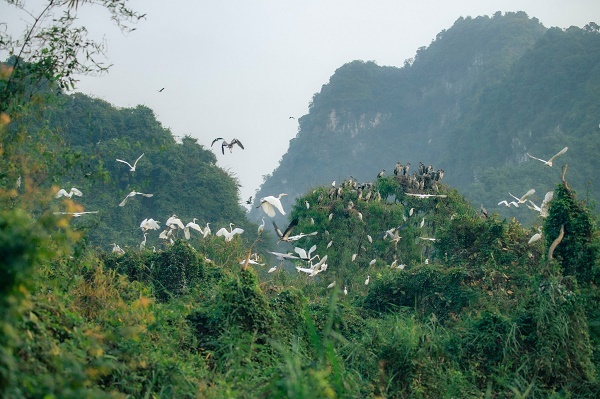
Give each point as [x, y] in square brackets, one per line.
[242, 68]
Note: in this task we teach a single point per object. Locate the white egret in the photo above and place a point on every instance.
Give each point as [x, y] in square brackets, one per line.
[131, 168]
[329, 244]
[523, 199]
[206, 230]
[271, 270]
[174, 222]
[370, 239]
[549, 162]
[372, 262]
[75, 214]
[19, 182]
[63, 193]
[422, 222]
[330, 216]
[192, 225]
[354, 257]
[427, 238]
[304, 255]
[307, 204]
[149, 224]
[252, 262]
[401, 266]
[427, 195]
[331, 285]
[345, 290]
[143, 243]
[270, 203]
[367, 280]
[299, 236]
[534, 238]
[117, 249]
[281, 256]
[261, 227]
[410, 213]
[229, 234]
[133, 194]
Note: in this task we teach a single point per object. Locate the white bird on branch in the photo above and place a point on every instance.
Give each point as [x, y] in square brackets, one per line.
[191, 225]
[149, 224]
[131, 168]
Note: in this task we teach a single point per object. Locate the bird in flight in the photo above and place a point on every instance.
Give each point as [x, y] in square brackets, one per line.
[63, 193]
[131, 168]
[523, 199]
[133, 194]
[228, 145]
[75, 214]
[269, 203]
[160, 91]
[549, 162]
[284, 236]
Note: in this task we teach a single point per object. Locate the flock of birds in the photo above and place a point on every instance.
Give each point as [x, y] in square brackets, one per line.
[425, 178]
[543, 208]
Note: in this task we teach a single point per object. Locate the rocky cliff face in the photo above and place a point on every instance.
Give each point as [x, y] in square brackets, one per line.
[461, 105]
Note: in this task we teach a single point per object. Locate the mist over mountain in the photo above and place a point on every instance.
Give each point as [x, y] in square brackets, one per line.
[473, 103]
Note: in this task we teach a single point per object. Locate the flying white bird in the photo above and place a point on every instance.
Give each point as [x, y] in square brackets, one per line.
[427, 195]
[549, 162]
[304, 255]
[508, 204]
[523, 199]
[133, 194]
[229, 234]
[131, 168]
[174, 222]
[63, 193]
[281, 256]
[75, 214]
[252, 262]
[543, 209]
[270, 203]
[191, 225]
[149, 224]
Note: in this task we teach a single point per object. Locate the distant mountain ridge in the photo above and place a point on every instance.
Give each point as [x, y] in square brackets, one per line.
[474, 102]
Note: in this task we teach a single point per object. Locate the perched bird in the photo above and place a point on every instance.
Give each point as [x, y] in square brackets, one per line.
[381, 174]
[354, 257]
[133, 194]
[422, 222]
[307, 204]
[370, 239]
[331, 285]
[534, 238]
[206, 230]
[270, 203]
[228, 235]
[281, 256]
[271, 270]
[143, 243]
[427, 238]
[285, 235]
[131, 168]
[372, 262]
[117, 249]
[261, 227]
[329, 244]
[549, 162]
[345, 290]
[484, 211]
[63, 193]
[18, 182]
[367, 280]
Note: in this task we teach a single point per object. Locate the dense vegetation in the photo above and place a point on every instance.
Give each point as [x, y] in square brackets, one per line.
[421, 297]
[483, 94]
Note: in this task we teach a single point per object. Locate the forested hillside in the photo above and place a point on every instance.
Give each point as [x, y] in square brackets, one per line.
[89, 135]
[483, 94]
